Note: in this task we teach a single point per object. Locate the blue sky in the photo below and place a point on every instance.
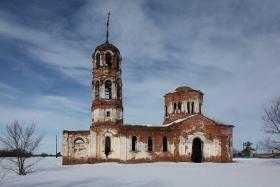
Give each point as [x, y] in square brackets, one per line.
[230, 50]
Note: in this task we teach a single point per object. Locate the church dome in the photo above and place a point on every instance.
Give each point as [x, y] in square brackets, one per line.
[183, 88]
[105, 47]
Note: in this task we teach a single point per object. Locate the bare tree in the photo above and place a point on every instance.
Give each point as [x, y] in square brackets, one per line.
[23, 142]
[271, 126]
[270, 145]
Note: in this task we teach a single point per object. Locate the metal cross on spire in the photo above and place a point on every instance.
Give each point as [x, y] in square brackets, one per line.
[107, 33]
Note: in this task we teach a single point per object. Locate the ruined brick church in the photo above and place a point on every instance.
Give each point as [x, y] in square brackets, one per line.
[186, 135]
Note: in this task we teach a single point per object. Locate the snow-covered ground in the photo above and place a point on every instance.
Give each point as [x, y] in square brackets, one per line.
[242, 173]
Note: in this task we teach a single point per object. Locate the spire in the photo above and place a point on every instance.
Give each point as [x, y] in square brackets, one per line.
[107, 33]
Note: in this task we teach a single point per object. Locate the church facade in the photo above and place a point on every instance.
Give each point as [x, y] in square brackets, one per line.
[186, 135]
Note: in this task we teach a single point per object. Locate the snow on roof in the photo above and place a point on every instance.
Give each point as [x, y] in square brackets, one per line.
[149, 125]
[146, 125]
[179, 120]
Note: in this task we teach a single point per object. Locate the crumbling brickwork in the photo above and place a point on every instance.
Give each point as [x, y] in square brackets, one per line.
[186, 134]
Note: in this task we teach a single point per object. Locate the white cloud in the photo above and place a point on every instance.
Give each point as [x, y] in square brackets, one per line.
[8, 91]
[62, 104]
[50, 48]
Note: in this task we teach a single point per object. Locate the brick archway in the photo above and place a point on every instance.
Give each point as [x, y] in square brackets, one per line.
[197, 150]
[107, 145]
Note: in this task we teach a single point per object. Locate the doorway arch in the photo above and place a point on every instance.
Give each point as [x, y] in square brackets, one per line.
[197, 150]
[107, 145]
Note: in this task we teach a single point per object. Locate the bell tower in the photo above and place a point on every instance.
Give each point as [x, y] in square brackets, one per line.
[107, 106]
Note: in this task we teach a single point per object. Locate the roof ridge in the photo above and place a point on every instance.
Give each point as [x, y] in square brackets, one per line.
[179, 120]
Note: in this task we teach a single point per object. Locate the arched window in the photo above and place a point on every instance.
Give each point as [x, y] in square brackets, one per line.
[166, 110]
[134, 143]
[189, 111]
[97, 60]
[108, 59]
[119, 89]
[150, 143]
[179, 107]
[192, 107]
[108, 90]
[174, 107]
[107, 145]
[97, 90]
[79, 140]
[164, 144]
